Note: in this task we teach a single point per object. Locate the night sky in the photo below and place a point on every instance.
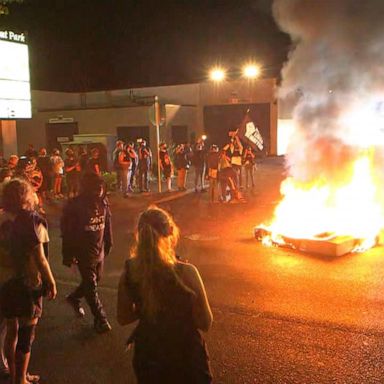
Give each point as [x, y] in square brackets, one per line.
[80, 45]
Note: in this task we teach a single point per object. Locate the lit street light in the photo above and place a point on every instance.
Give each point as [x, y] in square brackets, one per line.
[217, 74]
[251, 71]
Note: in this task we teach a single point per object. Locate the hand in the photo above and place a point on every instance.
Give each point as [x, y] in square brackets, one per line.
[52, 291]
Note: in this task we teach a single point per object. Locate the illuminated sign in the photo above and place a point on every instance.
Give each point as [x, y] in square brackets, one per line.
[15, 90]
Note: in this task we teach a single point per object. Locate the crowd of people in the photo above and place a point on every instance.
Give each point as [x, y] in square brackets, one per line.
[218, 170]
[46, 172]
[167, 343]
[168, 347]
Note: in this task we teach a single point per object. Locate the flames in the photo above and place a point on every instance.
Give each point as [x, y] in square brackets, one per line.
[333, 84]
[346, 200]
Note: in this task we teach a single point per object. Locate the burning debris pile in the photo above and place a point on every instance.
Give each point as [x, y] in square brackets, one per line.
[335, 159]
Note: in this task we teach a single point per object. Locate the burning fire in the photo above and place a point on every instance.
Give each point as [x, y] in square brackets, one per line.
[333, 81]
[352, 204]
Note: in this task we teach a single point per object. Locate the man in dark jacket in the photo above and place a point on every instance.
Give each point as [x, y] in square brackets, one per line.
[87, 239]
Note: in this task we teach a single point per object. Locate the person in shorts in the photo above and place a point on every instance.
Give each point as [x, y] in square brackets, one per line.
[21, 296]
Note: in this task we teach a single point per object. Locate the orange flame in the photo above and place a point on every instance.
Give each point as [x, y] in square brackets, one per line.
[348, 202]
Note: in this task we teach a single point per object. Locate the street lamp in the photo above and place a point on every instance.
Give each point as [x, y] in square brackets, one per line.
[251, 71]
[217, 74]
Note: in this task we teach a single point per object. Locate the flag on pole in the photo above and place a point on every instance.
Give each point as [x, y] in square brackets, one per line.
[249, 133]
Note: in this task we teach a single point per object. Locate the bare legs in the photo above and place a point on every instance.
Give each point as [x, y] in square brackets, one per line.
[18, 358]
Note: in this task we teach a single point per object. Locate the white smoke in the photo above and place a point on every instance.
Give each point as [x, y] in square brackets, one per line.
[336, 67]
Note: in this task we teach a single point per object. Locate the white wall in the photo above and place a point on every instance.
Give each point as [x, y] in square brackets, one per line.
[101, 120]
[180, 115]
[207, 93]
[174, 94]
[102, 112]
[54, 100]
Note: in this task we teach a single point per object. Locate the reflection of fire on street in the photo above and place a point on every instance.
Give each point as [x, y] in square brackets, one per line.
[333, 198]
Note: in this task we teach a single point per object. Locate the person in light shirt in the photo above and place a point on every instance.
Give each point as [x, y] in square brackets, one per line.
[58, 171]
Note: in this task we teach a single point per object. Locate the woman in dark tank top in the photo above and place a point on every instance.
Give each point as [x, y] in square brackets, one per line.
[169, 300]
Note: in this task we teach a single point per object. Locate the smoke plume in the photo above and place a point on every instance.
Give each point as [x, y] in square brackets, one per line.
[336, 70]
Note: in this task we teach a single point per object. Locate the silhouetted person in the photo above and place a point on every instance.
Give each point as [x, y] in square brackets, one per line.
[87, 239]
[168, 298]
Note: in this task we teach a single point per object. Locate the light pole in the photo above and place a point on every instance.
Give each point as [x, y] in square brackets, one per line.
[157, 121]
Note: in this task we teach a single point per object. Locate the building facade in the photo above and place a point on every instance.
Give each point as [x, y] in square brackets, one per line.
[187, 112]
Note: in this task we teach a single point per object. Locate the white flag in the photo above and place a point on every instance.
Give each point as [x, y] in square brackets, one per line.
[252, 134]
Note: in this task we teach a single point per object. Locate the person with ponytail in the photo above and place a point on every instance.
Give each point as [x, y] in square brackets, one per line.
[168, 298]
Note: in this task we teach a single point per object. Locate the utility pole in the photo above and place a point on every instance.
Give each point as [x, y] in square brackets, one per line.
[157, 120]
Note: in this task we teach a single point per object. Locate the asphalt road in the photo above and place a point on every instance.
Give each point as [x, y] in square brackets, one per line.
[280, 316]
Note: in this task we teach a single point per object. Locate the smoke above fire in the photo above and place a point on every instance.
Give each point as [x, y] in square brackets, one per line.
[335, 69]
